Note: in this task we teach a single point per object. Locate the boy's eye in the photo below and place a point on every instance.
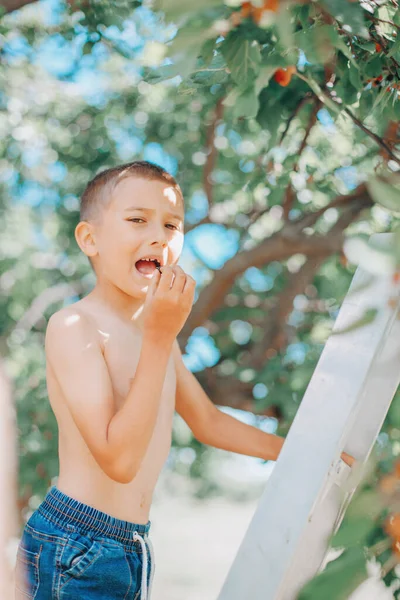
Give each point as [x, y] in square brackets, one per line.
[138, 219]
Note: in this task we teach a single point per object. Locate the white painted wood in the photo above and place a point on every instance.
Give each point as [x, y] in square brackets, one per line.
[310, 487]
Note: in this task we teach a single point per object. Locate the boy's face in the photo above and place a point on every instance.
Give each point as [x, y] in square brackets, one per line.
[128, 234]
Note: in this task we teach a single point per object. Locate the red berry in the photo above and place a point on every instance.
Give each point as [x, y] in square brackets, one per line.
[283, 76]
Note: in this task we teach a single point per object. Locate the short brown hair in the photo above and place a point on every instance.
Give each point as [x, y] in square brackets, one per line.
[98, 192]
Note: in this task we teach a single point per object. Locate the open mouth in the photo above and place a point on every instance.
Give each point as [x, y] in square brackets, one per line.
[147, 267]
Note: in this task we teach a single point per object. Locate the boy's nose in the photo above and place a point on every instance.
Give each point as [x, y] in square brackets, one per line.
[160, 237]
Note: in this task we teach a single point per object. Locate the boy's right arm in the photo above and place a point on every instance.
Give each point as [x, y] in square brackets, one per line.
[74, 354]
[117, 440]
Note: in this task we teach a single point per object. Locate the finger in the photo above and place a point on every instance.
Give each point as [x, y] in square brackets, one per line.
[180, 278]
[190, 285]
[153, 283]
[166, 279]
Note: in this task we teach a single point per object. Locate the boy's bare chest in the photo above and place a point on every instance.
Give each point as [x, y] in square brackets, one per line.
[122, 354]
[121, 346]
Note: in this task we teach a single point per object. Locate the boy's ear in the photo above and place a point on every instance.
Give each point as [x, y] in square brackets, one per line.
[84, 236]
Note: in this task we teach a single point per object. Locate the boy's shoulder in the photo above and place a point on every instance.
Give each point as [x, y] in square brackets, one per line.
[68, 315]
[75, 308]
[84, 316]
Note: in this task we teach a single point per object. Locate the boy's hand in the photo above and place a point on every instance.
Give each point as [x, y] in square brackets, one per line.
[168, 302]
[349, 460]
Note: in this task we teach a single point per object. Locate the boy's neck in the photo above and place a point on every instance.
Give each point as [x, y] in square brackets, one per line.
[128, 311]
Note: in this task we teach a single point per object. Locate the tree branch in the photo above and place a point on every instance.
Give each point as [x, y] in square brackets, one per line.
[372, 135]
[391, 137]
[212, 151]
[289, 192]
[280, 246]
[11, 5]
[327, 98]
[224, 391]
[307, 96]
[274, 338]
[309, 219]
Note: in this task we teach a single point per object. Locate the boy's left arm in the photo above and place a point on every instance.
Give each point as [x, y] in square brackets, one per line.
[213, 427]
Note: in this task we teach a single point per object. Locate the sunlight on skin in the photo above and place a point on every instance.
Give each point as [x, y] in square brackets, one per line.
[105, 335]
[171, 194]
[71, 319]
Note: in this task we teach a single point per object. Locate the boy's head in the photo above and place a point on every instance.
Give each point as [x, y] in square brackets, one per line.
[115, 234]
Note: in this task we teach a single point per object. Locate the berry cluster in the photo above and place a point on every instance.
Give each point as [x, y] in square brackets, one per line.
[256, 13]
[381, 82]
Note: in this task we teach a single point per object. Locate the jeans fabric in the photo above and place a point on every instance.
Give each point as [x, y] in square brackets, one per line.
[70, 550]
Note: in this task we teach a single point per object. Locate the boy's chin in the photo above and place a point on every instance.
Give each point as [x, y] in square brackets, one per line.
[140, 287]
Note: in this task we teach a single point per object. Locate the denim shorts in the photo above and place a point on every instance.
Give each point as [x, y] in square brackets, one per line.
[72, 551]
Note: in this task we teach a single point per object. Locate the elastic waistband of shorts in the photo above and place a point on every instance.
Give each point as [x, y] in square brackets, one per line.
[73, 514]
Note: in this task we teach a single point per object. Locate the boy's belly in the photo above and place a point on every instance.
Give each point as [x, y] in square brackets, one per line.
[81, 477]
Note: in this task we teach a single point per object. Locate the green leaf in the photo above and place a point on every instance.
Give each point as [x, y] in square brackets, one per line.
[305, 40]
[355, 77]
[352, 532]
[269, 115]
[187, 45]
[339, 579]
[162, 73]
[302, 12]
[262, 81]
[215, 72]
[348, 13]
[207, 50]
[395, 48]
[189, 38]
[366, 503]
[274, 59]
[368, 316]
[177, 11]
[345, 88]
[386, 13]
[381, 100]
[395, 112]
[369, 46]
[284, 26]
[374, 66]
[244, 102]
[325, 99]
[339, 43]
[247, 104]
[243, 58]
[385, 190]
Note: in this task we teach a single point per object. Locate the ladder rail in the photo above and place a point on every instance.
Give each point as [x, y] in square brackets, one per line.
[308, 491]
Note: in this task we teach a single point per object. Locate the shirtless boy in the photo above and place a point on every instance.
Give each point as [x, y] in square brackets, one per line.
[115, 375]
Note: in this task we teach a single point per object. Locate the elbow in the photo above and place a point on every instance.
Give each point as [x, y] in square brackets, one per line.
[117, 472]
[123, 474]
[118, 466]
[125, 477]
[203, 432]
